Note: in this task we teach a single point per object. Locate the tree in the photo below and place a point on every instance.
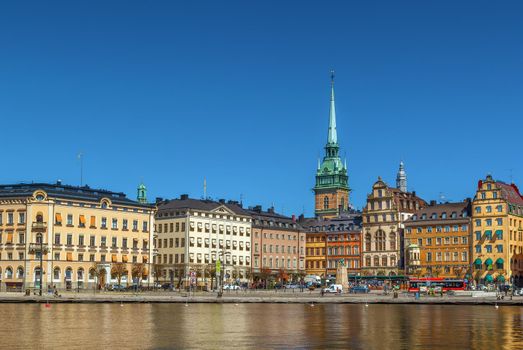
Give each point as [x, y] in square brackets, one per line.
[282, 275]
[139, 271]
[157, 272]
[100, 274]
[264, 275]
[118, 270]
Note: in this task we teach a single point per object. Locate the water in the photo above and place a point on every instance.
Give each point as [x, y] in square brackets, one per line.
[259, 326]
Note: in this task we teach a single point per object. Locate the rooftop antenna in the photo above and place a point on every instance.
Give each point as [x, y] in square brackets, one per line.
[441, 197]
[241, 199]
[81, 158]
[204, 188]
[511, 177]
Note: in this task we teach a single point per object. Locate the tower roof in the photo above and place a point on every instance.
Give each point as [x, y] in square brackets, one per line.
[333, 135]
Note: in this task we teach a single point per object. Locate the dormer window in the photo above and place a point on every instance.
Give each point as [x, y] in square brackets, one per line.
[423, 216]
[454, 215]
[414, 217]
[443, 215]
[433, 216]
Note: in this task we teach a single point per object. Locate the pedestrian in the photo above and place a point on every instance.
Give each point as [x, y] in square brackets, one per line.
[322, 291]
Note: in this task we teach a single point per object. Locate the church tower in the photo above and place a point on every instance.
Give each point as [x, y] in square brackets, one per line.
[401, 178]
[332, 182]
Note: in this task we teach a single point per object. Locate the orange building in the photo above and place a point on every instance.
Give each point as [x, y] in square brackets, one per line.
[438, 240]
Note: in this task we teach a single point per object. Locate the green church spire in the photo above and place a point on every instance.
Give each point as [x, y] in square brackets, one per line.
[333, 135]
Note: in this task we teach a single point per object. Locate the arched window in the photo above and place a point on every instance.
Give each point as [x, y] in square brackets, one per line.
[80, 274]
[342, 202]
[380, 240]
[376, 261]
[68, 274]
[368, 261]
[20, 272]
[325, 202]
[56, 273]
[384, 261]
[8, 273]
[393, 259]
[92, 274]
[367, 242]
[392, 239]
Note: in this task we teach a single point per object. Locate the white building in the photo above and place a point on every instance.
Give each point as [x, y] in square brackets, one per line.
[194, 234]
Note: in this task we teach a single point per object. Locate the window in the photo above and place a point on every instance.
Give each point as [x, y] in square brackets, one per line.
[499, 234]
[499, 208]
[478, 235]
[488, 209]
[429, 229]
[483, 195]
[499, 248]
[429, 257]
[114, 224]
[21, 238]
[56, 238]
[21, 218]
[69, 239]
[103, 241]
[488, 248]
[477, 222]
[124, 224]
[144, 226]
[70, 219]
[494, 195]
[81, 240]
[114, 242]
[104, 223]
[443, 215]
[92, 241]
[135, 225]
[488, 222]
[392, 238]
[429, 241]
[464, 256]
[325, 202]
[499, 222]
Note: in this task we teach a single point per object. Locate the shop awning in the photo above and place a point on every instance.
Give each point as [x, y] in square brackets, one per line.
[500, 278]
[82, 220]
[488, 278]
[93, 221]
[477, 261]
[58, 218]
[488, 262]
[500, 261]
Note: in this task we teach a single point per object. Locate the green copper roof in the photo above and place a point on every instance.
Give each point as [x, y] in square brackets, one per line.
[331, 172]
[333, 135]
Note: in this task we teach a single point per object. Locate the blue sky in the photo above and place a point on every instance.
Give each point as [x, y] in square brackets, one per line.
[238, 93]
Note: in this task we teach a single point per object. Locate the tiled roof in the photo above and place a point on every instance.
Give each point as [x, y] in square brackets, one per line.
[438, 209]
[510, 193]
[200, 204]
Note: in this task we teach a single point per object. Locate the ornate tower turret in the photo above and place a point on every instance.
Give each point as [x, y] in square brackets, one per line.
[142, 193]
[332, 189]
[401, 178]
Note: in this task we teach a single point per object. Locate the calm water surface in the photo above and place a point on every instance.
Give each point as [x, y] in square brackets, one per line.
[259, 326]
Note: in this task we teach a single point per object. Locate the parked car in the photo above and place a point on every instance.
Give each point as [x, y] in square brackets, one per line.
[359, 289]
[166, 286]
[117, 288]
[333, 288]
[231, 287]
[291, 286]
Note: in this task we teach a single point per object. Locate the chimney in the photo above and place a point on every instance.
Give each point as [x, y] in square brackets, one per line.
[159, 200]
[59, 182]
[301, 217]
[432, 203]
[222, 201]
[270, 210]
[257, 208]
[184, 197]
[293, 218]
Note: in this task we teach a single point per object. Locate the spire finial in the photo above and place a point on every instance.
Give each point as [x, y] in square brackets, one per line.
[332, 137]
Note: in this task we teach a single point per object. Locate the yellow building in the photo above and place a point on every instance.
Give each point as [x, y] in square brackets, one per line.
[82, 233]
[437, 240]
[497, 213]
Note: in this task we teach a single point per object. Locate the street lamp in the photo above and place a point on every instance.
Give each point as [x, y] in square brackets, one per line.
[39, 227]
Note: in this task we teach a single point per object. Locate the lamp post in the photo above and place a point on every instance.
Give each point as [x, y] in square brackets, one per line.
[40, 236]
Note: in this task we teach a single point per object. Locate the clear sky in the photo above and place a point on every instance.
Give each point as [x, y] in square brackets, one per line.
[173, 92]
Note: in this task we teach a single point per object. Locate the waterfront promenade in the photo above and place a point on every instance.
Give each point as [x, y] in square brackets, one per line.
[280, 297]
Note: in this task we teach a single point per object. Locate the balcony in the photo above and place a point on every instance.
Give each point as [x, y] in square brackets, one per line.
[39, 226]
[37, 247]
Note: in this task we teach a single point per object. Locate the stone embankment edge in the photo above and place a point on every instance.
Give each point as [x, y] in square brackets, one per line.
[259, 300]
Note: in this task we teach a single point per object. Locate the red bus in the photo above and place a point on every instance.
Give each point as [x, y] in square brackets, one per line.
[446, 284]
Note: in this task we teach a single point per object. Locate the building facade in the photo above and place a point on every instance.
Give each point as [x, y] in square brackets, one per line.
[331, 192]
[198, 237]
[497, 218]
[332, 241]
[278, 245]
[78, 234]
[438, 241]
[383, 216]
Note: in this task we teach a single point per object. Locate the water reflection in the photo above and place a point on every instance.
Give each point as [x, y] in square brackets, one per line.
[255, 326]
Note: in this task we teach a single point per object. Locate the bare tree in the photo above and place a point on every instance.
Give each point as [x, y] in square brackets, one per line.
[139, 271]
[118, 270]
[264, 275]
[158, 272]
[100, 274]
